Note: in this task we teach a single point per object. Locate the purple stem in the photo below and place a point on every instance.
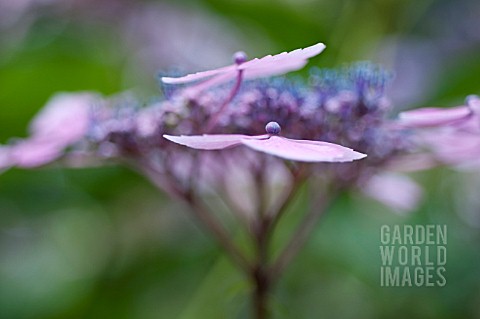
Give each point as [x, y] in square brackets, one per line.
[300, 235]
[201, 213]
[215, 117]
[260, 276]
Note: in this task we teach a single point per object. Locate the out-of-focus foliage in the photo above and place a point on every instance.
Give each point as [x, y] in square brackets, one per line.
[103, 243]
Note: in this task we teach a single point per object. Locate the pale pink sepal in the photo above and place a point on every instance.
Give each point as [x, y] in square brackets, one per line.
[296, 150]
[211, 142]
[198, 75]
[267, 66]
[281, 63]
[33, 153]
[452, 147]
[64, 119]
[303, 150]
[62, 122]
[432, 116]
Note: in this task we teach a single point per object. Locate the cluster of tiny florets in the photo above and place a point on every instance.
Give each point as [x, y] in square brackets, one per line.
[345, 106]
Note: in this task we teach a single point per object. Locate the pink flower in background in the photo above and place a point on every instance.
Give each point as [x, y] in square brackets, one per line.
[61, 123]
[394, 190]
[453, 146]
[270, 143]
[434, 116]
[267, 66]
[64, 119]
[452, 135]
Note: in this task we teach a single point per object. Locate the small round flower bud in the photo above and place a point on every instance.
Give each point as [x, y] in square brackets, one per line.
[273, 128]
[240, 57]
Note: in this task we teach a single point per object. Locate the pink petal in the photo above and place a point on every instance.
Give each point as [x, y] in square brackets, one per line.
[211, 142]
[433, 116]
[194, 90]
[62, 122]
[284, 57]
[303, 150]
[394, 190]
[412, 162]
[34, 153]
[470, 125]
[199, 75]
[65, 118]
[266, 66]
[453, 147]
[5, 161]
[297, 150]
[309, 52]
[280, 63]
[273, 68]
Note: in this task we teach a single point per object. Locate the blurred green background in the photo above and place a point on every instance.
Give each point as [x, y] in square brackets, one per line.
[103, 243]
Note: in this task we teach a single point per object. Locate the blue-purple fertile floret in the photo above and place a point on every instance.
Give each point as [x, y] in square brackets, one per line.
[345, 106]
